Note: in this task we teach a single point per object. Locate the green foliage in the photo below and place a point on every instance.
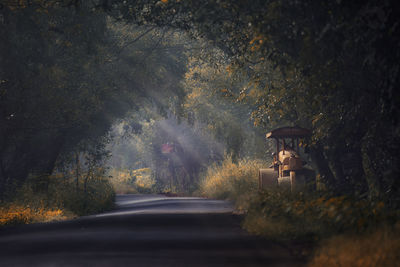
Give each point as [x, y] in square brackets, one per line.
[207, 125]
[99, 197]
[61, 192]
[347, 229]
[175, 172]
[66, 76]
[47, 198]
[210, 85]
[133, 181]
[52, 98]
[319, 64]
[68, 73]
[284, 215]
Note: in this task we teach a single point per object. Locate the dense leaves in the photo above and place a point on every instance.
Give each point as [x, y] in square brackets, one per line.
[327, 65]
[67, 74]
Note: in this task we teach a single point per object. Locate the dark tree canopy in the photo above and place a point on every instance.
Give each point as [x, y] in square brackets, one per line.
[331, 66]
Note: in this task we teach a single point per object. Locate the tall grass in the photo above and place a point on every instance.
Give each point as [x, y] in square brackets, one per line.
[236, 182]
[56, 197]
[282, 214]
[347, 231]
[379, 248]
[18, 214]
[126, 181]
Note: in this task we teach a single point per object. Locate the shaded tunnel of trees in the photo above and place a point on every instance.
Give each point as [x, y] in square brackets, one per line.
[72, 70]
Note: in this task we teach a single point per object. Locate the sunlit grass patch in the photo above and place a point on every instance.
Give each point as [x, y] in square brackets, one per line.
[236, 182]
[379, 248]
[17, 214]
[56, 197]
[348, 231]
[132, 181]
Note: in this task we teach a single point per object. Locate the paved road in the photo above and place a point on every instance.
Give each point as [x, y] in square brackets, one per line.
[144, 230]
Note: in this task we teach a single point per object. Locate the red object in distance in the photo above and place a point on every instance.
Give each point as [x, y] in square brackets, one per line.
[167, 148]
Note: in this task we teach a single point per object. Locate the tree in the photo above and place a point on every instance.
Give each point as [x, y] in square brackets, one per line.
[66, 76]
[323, 65]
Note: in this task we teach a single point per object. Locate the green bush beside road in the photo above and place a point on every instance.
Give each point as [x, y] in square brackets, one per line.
[329, 222]
[56, 198]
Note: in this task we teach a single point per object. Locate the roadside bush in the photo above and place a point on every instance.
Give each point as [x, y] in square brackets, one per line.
[98, 197]
[346, 230]
[379, 248]
[132, 181]
[236, 182]
[282, 214]
[16, 214]
[47, 198]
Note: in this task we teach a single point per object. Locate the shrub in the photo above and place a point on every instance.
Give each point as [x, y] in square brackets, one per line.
[351, 231]
[99, 197]
[281, 214]
[379, 248]
[236, 182]
[132, 181]
[15, 214]
[56, 197]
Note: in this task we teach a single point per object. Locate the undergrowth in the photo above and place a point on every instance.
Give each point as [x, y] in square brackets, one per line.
[346, 230]
[126, 181]
[377, 248]
[282, 214]
[16, 214]
[48, 198]
[236, 182]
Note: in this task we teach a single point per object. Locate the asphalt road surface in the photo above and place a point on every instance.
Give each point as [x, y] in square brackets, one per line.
[144, 230]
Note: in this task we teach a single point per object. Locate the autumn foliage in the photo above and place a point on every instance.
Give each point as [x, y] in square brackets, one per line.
[132, 181]
[281, 214]
[44, 199]
[17, 214]
[379, 248]
[237, 182]
[335, 223]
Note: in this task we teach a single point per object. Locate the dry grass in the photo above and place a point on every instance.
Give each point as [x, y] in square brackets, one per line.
[236, 182]
[122, 182]
[132, 181]
[350, 229]
[380, 248]
[49, 198]
[279, 214]
[17, 214]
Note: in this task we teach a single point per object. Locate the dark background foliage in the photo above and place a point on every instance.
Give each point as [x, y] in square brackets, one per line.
[331, 66]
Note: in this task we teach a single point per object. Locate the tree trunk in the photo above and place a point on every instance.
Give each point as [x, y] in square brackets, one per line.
[55, 153]
[359, 180]
[77, 162]
[372, 174]
[337, 168]
[2, 181]
[89, 173]
[324, 170]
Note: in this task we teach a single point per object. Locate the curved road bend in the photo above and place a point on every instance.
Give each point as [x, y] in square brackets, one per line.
[144, 230]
